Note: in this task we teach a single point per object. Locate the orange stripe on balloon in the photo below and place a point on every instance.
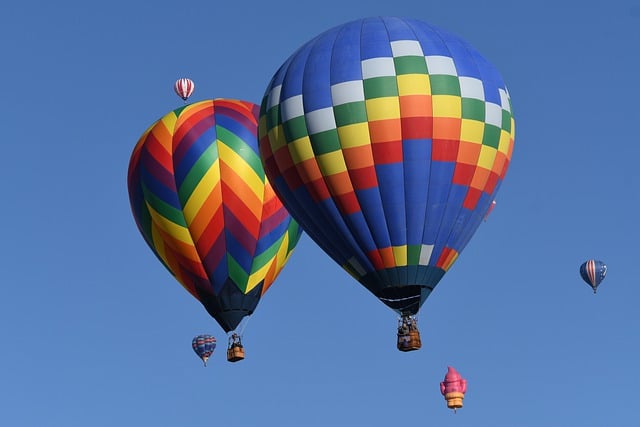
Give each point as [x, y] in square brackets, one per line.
[270, 276]
[210, 205]
[213, 229]
[236, 188]
[236, 203]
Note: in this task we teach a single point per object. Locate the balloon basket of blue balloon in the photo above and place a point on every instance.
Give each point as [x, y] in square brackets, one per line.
[408, 334]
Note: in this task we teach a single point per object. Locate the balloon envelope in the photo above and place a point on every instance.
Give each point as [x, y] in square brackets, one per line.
[387, 139]
[204, 345]
[593, 272]
[201, 200]
[184, 88]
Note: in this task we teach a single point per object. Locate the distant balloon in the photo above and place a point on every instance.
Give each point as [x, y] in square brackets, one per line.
[204, 345]
[491, 208]
[184, 88]
[453, 388]
[593, 272]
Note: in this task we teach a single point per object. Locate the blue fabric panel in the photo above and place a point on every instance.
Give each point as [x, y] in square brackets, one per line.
[439, 183]
[316, 84]
[417, 167]
[346, 54]
[375, 41]
[391, 185]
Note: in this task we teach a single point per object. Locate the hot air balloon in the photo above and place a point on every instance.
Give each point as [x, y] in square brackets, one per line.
[184, 88]
[453, 388]
[204, 345]
[387, 140]
[491, 208]
[201, 200]
[593, 272]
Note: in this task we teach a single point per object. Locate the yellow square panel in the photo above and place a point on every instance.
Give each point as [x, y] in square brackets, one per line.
[487, 157]
[472, 131]
[354, 135]
[331, 163]
[400, 255]
[301, 150]
[447, 106]
[413, 84]
[382, 108]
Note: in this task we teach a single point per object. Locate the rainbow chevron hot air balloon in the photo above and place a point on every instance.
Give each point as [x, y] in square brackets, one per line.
[201, 200]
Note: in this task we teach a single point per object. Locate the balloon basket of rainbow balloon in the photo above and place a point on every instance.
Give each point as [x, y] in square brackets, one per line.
[235, 351]
[408, 333]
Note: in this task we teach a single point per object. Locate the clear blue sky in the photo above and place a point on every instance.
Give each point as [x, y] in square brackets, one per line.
[95, 332]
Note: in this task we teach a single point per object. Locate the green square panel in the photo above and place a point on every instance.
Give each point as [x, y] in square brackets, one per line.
[444, 85]
[380, 87]
[410, 65]
[295, 128]
[325, 142]
[491, 136]
[350, 113]
[473, 109]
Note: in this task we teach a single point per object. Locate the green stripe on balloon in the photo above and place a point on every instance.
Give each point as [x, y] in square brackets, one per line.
[237, 274]
[164, 209]
[240, 147]
[197, 171]
[266, 256]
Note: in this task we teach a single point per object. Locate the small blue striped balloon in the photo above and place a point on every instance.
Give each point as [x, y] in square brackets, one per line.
[593, 272]
[204, 345]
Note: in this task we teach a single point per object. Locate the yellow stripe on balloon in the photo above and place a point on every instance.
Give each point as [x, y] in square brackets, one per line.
[242, 168]
[282, 255]
[178, 231]
[279, 259]
[257, 276]
[201, 192]
[166, 131]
